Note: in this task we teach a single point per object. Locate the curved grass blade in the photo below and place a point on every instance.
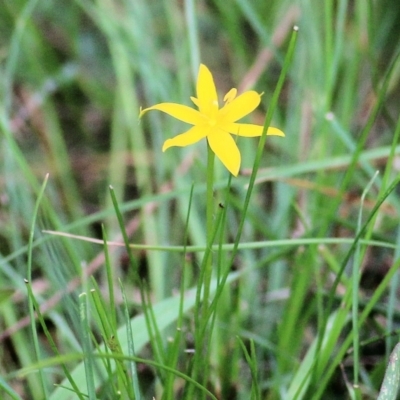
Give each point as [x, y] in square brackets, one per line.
[391, 381]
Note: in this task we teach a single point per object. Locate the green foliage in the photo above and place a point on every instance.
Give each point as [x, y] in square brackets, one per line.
[299, 260]
[390, 385]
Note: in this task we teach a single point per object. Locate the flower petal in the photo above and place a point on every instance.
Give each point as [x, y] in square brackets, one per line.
[240, 106]
[251, 130]
[195, 101]
[224, 147]
[187, 138]
[178, 111]
[230, 95]
[271, 131]
[206, 92]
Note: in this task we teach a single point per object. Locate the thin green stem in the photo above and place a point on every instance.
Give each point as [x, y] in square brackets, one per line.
[231, 246]
[205, 269]
[174, 354]
[210, 191]
[28, 281]
[355, 289]
[210, 227]
[260, 150]
[87, 346]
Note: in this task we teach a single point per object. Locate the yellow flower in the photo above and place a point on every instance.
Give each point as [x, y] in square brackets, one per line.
[214, 123]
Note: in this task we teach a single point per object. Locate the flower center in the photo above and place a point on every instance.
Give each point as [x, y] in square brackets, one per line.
[212, 113]
[212, 122]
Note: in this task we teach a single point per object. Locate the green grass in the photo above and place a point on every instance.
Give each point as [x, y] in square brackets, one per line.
[302, 296]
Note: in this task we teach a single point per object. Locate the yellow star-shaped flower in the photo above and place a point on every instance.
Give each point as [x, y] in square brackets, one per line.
[214, 123]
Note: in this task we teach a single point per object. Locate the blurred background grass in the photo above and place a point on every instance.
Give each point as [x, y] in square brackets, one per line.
[73, 76]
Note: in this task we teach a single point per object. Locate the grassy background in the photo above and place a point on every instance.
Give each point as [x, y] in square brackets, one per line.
[307, 311]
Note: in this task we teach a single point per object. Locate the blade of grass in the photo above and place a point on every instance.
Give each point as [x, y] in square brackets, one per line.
[74, 356]
[166, 312]
[130, 347]
[230, 246]
[87, 346]
[7, 389]
[252, 362]
[258, 156]
[24, 18]
[110, 281]
[391, 382]
[339, 355]
[356, 275]
[320, 352]
[174, 352]
[193, 35]
[112, 341]
[43, 392]
[53, 345]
